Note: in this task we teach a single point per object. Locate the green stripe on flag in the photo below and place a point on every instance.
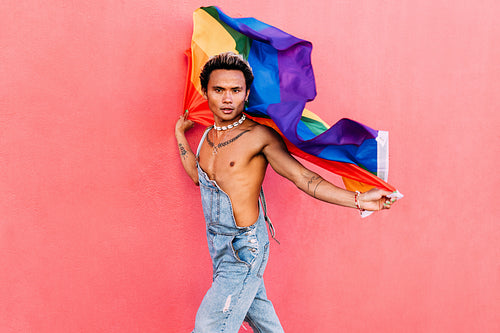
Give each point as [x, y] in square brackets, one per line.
[243, 43]
[315, 126]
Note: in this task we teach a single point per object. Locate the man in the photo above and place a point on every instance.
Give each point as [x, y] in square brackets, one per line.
[229, 167]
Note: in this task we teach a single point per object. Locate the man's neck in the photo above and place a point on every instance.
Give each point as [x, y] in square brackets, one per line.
[227, 125]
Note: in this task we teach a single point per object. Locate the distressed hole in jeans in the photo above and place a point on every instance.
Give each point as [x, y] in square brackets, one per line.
[227, 304]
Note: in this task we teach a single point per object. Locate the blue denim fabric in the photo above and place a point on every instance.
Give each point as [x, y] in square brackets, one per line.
[239, 257]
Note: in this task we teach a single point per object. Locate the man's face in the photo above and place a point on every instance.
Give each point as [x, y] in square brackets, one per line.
[226, 94]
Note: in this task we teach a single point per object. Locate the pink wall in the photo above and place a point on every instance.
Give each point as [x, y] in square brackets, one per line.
[101, 231]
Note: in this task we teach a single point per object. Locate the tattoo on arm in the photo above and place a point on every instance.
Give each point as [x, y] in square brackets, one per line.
[182, 151]
[314, 194]
[310, 181]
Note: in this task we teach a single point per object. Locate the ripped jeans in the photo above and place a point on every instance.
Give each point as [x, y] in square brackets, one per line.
[239, 257]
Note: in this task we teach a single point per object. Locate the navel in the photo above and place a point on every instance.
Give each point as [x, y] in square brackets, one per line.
[232, 163]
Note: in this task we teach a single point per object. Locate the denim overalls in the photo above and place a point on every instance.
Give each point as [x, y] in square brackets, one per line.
[239, 257]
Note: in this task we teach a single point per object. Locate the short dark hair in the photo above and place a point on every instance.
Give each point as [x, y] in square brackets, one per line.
[226, 60]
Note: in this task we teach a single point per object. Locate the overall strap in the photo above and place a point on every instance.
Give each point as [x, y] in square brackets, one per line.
[268, 220]
[203, 139]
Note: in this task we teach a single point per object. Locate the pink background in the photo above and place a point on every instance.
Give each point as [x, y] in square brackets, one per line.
[102, 231]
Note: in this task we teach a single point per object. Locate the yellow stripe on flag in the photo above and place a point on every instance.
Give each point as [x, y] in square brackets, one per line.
[209, 38]
[308, 114]
[210, 35]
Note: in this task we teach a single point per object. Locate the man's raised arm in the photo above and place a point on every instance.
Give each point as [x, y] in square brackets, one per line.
[188, 158]
[313, 184]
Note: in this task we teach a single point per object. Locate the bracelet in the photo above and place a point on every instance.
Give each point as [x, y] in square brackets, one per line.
[356, 201]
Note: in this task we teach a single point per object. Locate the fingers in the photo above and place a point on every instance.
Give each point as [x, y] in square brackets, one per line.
[183, 123]
[388, 202]
[386, 193]
[378, 199]
[376, 194]
[185, 116]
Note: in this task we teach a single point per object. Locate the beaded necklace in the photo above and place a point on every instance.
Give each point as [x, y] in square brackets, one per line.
[233, 125]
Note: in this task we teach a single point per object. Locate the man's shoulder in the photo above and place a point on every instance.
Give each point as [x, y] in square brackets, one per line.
[263, 135]
[261, 129]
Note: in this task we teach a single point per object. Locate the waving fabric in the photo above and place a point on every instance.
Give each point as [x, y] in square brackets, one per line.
[284, 83]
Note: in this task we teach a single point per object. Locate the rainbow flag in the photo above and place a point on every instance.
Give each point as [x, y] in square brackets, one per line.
[284, 83]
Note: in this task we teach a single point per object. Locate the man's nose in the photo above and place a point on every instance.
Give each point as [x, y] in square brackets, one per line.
[227, 97]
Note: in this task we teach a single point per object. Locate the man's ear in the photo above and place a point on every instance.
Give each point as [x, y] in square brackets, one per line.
[246, 97]
[204, 92]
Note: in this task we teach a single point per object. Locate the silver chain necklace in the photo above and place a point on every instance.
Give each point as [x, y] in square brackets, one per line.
[233, 125]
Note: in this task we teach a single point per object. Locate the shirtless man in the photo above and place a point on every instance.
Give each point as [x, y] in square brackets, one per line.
[229, 167]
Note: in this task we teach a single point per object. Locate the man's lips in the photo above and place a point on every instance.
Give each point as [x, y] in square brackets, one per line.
[227, 110]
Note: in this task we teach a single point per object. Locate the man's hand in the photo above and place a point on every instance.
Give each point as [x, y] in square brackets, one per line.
[183, 123]
[188, 158]
[375, 199]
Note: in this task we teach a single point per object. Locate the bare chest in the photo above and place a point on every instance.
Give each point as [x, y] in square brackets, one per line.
[226, 156]
[218, 161]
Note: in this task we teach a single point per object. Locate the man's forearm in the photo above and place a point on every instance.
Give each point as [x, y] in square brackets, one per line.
[187, 156]
[321, 189]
